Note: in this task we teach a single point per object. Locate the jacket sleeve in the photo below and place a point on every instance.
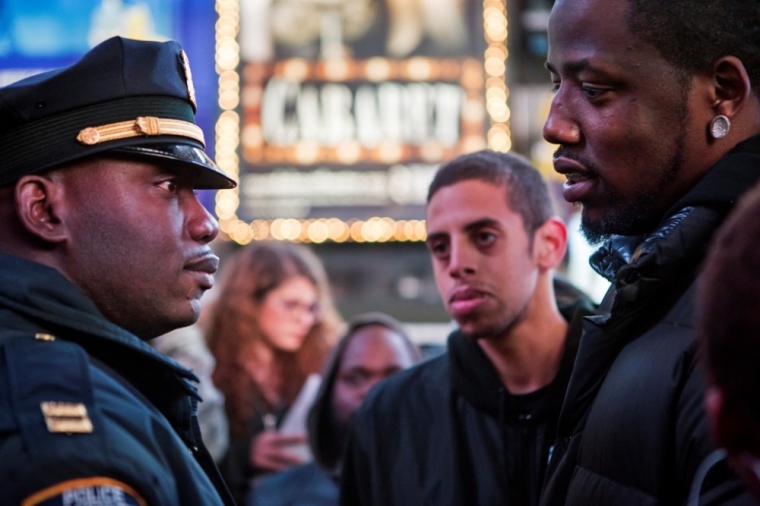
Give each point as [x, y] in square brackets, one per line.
[717, 485]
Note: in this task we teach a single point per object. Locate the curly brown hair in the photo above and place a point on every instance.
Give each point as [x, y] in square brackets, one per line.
[248, 276]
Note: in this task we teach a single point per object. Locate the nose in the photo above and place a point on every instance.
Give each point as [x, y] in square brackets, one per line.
[201, 226]
[559, 127]
[461, 260]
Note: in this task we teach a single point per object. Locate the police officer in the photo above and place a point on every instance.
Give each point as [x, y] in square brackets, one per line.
[103, 246]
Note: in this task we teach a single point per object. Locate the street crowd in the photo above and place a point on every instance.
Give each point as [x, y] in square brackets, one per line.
[118, 388]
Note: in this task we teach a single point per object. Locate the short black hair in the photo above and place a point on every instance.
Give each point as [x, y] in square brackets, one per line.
[526, 191]
[728, 320]
[693, 34]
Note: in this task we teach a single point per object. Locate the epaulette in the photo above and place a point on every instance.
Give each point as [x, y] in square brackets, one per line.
[45, 390]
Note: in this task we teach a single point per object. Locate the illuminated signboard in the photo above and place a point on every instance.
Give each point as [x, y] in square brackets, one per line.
[44, 34]
[336, 113]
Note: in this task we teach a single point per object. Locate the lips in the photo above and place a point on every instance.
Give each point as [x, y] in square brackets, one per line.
[466, 300]
[579, 180]
[203, 267]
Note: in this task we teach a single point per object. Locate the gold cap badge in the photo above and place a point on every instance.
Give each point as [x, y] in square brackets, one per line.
[188, 77]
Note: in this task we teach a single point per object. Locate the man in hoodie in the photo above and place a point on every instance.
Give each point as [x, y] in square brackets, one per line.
[475, 426]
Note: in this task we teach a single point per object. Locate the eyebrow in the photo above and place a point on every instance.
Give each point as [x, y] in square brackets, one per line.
[473, 225]
[585, 65]
[482, 222]
[572, 67]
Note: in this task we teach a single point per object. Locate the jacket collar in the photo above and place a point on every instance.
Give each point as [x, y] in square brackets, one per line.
[475, 378]
[42, 294]
[650, 273]
[718, 190]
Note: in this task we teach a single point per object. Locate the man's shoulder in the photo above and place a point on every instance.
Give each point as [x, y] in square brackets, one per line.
[50, 413]
[413, 398]
[419, 389]
[425, 378]
[60, 406]
[44, 379]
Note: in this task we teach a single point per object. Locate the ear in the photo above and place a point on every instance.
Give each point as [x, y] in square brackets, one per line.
[550, 243]
[731, 86]
[39, 200]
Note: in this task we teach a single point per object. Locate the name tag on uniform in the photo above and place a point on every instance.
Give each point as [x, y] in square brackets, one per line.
[98, 491]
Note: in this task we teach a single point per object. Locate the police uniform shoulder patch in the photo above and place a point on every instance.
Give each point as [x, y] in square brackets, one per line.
[68, 417]
[96, 491]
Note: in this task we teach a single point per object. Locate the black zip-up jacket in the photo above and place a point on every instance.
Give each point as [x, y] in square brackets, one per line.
[633, 430]
[447, 432]
[143, 442]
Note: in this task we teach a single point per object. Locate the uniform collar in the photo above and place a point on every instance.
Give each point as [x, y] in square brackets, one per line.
[42, 294]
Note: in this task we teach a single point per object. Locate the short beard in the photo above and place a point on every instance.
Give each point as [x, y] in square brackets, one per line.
[487, 332]
[494, 330]
[641, 213]
[637, 216]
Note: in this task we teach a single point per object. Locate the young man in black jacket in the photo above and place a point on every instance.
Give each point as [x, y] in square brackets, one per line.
[656, 115]
[475, 426]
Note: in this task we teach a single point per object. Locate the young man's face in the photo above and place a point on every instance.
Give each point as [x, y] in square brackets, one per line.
[629, 128]
[138, 243]
[482, 257]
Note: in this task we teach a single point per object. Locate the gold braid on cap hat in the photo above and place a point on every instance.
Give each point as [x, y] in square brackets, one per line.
[143, 125]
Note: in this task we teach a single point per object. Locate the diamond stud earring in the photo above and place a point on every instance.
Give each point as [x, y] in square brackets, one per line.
[719, 126]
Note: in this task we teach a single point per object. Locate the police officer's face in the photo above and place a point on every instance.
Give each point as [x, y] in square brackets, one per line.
[138, 243]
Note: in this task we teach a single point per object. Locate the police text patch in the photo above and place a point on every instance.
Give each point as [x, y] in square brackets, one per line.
[98, 491]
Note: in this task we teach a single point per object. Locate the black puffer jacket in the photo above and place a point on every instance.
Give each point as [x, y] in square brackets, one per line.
[447, 432]
[633, 430]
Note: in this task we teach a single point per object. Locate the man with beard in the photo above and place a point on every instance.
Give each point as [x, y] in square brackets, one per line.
[103, 246]
[656, 115]
[475, 426]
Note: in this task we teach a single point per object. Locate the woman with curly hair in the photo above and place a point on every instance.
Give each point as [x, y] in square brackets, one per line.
[273, 325]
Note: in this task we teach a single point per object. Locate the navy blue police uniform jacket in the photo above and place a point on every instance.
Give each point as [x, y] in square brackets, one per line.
[90, 414]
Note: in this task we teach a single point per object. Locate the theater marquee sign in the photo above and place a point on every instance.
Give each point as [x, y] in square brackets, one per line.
[336, 113]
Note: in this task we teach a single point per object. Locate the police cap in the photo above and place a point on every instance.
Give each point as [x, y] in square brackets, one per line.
[123, 96]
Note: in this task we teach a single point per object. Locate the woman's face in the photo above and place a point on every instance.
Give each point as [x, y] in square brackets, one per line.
[288, 313]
